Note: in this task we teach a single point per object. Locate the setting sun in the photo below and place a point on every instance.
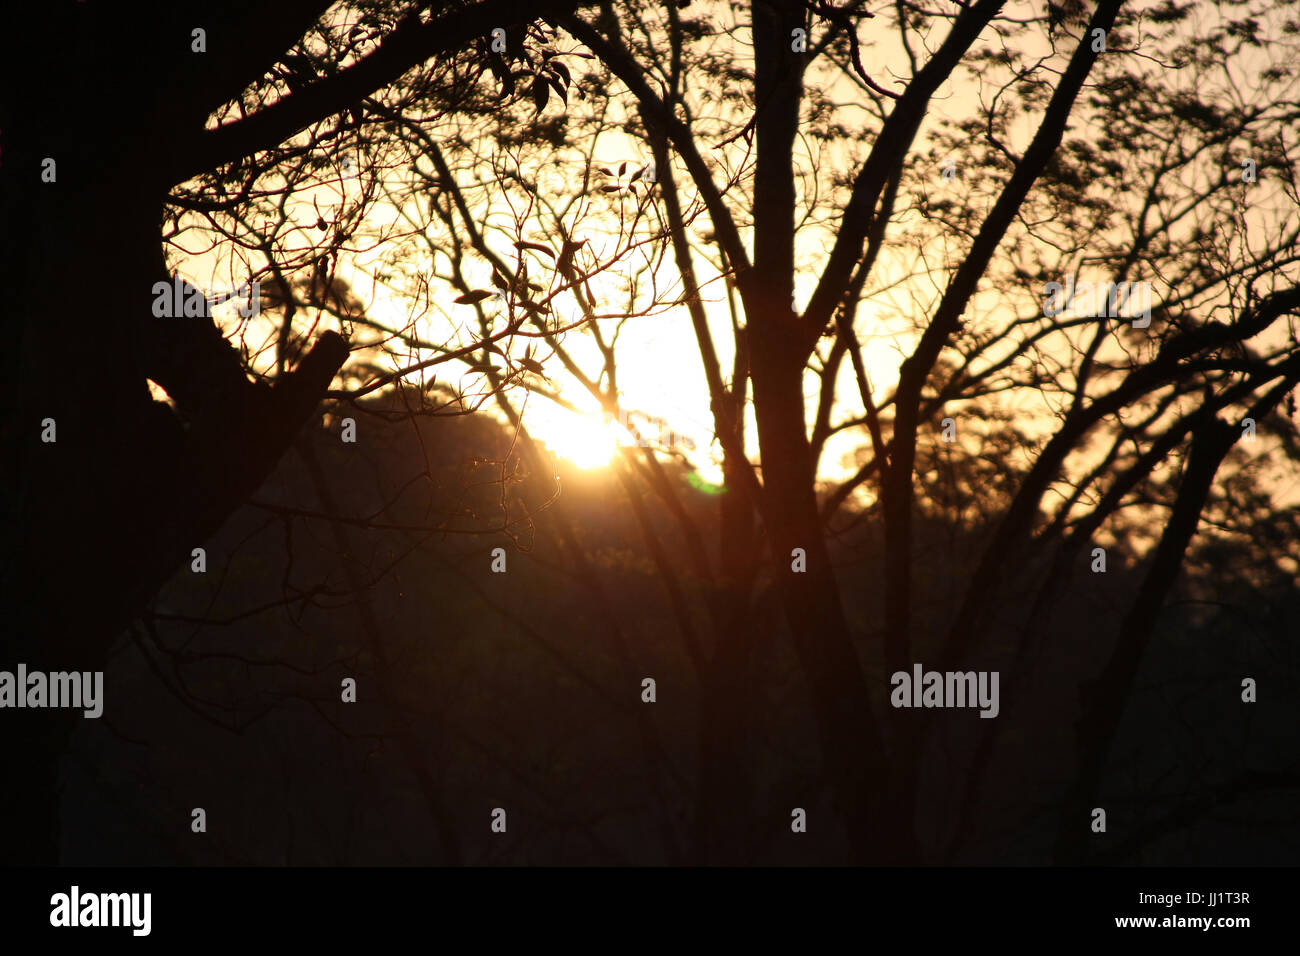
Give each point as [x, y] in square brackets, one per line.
[589, 441]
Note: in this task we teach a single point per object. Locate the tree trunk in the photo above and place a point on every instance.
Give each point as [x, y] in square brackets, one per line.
[880, 826]
[104, 513]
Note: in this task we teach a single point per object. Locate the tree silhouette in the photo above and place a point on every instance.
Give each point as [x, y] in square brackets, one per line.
[119, 499]
[1153, 191]
[857, 216]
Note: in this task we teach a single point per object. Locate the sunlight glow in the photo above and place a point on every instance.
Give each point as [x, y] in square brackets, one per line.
[589, 441]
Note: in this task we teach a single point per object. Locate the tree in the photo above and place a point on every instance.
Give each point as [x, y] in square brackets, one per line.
[1133, 197]
[793, 204]
[114, 503]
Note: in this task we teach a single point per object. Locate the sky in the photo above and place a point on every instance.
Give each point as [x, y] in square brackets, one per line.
[659, 369]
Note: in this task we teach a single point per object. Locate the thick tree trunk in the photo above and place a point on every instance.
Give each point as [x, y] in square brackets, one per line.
[101, 515]
[881, 828]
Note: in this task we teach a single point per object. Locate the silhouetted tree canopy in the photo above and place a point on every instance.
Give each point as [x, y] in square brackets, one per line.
[805, 254]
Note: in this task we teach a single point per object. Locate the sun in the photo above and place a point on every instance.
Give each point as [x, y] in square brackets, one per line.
[589, 441]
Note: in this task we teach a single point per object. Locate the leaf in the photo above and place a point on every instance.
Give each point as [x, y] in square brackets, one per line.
[541, 93]
[606, 170]
[562, 71]
[559, 88]
[469, 298]
[638, 174]
[499, 281]
[536, 247]
[567, 252]
[610, 189]
[532, 365]
[622, 168]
